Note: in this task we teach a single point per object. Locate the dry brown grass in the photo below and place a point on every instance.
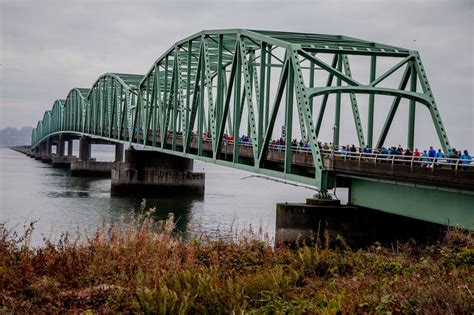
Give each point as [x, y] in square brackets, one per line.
[143, 267]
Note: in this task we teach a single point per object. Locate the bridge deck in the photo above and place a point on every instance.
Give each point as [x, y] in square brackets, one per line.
[446, 173]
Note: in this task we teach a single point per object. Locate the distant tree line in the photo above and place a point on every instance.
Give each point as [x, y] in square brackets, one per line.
[11, 136]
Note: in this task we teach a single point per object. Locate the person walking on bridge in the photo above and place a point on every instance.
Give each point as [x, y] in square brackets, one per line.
[454, 156]
[440, 157]
[431, 152]
[466, 159]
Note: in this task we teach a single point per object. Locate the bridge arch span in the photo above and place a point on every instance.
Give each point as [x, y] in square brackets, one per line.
[74, 109]
[57, 115]
[111, 104]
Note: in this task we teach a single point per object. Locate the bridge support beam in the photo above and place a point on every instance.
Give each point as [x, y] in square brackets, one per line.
[37, 152]
[61, 146]
[119, 152]
[153, 173]
[358, 226]
[84, 148]
[70, 144]
[46, 151]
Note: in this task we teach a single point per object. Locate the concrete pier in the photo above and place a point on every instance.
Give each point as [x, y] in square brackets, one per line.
[61, 146]
[84, 148]
[46, 151]
[91, 168]
[153, 173]
[118, 152]
[359, 227]
[64, 161]
[70, 145]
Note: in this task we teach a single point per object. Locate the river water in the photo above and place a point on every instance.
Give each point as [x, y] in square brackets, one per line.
[34, 191]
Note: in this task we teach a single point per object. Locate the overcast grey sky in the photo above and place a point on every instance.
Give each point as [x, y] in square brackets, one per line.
[48, 47]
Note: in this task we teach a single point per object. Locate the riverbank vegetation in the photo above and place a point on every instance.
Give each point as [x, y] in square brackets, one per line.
[144, 267]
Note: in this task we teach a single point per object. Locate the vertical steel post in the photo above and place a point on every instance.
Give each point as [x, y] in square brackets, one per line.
[411, 111]
[201, 99]
[289, 118]
[175, 99]
[261, 101]
[337, 117]
[268, 81]
[249, 70]
[188, 95]
[370, 122]
[311, 83]
[237, 98]
[220, 88]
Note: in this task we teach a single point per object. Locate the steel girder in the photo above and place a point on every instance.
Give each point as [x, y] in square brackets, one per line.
[111, 105]
[74, 110]
[230, 82]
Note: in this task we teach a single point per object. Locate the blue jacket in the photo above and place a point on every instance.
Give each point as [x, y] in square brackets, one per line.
[466, 157]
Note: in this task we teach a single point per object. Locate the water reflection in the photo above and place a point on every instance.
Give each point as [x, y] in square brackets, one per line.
[68, 194]
[31, 190]
[181, 208]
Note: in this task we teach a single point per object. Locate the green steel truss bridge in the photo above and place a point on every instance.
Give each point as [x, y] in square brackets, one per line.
[212, 86]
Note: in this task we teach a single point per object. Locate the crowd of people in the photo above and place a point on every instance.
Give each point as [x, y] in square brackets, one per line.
[426, 157]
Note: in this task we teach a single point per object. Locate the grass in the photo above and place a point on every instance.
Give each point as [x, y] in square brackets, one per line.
[143, 267]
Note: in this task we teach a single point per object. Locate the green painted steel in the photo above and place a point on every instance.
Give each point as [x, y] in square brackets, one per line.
[454, 208]
[225, 83]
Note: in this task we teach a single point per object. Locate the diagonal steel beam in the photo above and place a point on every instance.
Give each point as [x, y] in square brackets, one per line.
[355, 107]
[328, 68]
[324, 101]
[393, 108]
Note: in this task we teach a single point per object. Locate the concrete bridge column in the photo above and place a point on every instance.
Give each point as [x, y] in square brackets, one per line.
[69, 147]
[87, 166]
[46, 147]
[37, 152]
[49, 146]
[84, 148]
[153, 173]
[119, 152]
[61, 145]
[60, 160]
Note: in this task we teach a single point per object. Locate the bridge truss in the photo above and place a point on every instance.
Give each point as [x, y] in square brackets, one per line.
[215, 85]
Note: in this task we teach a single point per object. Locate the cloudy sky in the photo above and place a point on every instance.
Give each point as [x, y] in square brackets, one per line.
[47, 47]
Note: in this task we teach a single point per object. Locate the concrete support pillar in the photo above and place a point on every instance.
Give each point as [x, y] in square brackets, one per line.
[153, 173]
[69, 147]
[45, 151]
[37, 152]
[84, 148]
[91, 168]
[358, 227]
[60, 146]
[118, 152]
[49, 146]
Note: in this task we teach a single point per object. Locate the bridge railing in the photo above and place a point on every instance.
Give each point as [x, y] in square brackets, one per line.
[418, 161]
[377, 158]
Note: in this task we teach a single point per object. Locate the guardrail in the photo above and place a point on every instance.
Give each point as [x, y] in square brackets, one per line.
[419, 161]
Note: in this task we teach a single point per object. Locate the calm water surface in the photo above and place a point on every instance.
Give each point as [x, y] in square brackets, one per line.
[34, 191]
